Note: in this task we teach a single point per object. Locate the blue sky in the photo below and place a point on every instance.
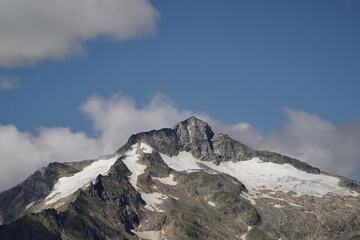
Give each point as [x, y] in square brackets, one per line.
[263, 63]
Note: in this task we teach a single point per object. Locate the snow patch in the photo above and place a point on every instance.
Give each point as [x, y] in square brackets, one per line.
[243, 237]
[278, 206]
[146, 148]
[29, 205]
[181, 162]
[249, 197]
[294, 205]
[168, 180]
[152, 200]
[174, 197]
[265, 195]
[131, 162]
[211, 203]
[65, 186]
[151, 235]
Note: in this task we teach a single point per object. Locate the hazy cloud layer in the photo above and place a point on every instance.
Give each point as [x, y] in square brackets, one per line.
[34, 30]
[8, 82]
[333, 148]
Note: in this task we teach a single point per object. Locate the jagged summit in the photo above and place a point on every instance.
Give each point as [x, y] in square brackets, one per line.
[196, 136]
[180, 183]
[194, 121]
[194, 128]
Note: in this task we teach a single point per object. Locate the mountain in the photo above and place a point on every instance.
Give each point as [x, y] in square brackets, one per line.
[182, 183]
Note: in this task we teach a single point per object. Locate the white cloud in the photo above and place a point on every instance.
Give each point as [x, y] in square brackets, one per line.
[35, 30]
[8, 82]
[333, 148]
[21, 153]
[115, 119]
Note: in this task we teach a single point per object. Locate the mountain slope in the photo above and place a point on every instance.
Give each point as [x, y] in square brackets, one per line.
[182, 183]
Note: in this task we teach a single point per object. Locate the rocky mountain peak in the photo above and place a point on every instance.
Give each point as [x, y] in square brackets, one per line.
[180, 183]
[195, 136]
[193, 129]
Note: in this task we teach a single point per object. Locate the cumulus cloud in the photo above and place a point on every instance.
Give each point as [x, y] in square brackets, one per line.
[21, 153]
[333, 148]
[115, 119]
[8, 82]
[35, 30]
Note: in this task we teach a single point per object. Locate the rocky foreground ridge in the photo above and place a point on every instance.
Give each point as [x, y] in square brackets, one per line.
[182, 183]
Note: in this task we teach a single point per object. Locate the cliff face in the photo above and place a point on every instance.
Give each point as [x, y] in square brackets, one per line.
[182, 183]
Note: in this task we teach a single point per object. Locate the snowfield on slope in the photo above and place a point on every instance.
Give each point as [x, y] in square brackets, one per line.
[257, 174]
[65, 186]
[131, 162]
[184, 161]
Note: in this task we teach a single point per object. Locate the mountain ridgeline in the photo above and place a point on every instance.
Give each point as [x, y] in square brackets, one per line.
[182, 183]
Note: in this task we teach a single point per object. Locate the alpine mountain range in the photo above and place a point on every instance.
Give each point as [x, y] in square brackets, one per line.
[184, 182]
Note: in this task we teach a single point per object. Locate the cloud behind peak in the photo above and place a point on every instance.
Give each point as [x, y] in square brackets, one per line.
[332, 147]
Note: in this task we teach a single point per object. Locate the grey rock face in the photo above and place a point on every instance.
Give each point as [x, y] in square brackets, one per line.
[350, 184]
[164, 140]
[228, 149]
[195, 137]
[308, 217]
